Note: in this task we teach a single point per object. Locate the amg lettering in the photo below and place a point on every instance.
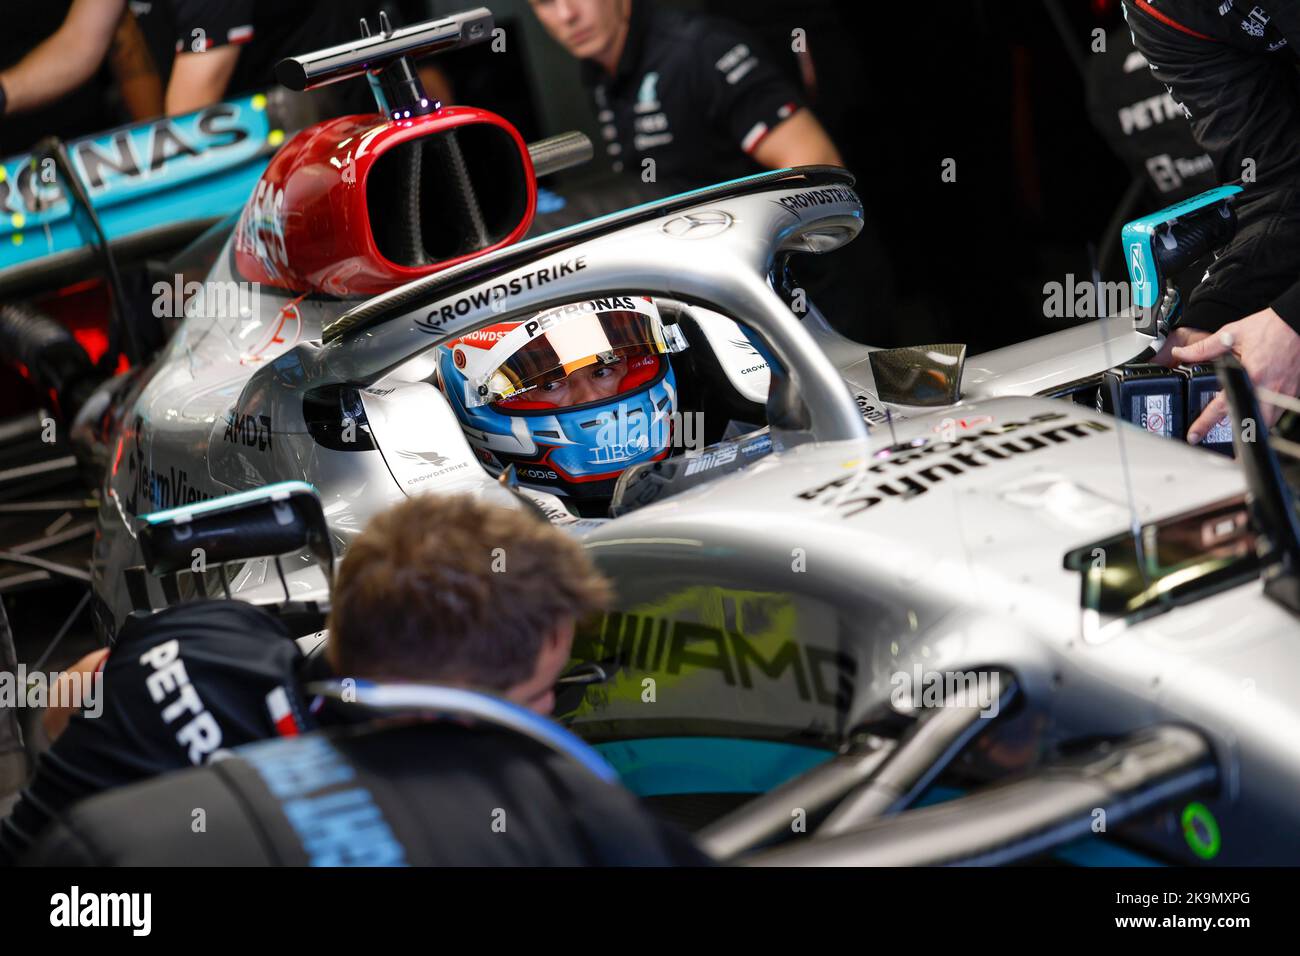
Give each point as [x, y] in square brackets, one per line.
[650, 645]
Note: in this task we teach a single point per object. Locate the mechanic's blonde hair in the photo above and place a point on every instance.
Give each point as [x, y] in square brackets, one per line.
[451, 589]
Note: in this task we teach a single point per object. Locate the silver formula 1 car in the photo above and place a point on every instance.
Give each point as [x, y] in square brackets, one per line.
[903, 606]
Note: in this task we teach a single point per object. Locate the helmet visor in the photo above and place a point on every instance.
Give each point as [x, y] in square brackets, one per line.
[600, 340]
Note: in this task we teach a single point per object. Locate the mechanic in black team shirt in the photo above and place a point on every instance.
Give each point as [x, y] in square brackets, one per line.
[178, 687]
[691, 93]
[420, 596]
[1232, 67]
[198, 51]
[53, 57]
[212, 50]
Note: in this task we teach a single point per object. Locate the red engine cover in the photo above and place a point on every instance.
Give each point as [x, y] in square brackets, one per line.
[307, 226]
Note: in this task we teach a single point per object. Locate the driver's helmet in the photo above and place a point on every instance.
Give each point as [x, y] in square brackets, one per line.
[571, 397]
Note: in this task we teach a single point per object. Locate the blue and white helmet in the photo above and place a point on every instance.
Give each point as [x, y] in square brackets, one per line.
[571, 397]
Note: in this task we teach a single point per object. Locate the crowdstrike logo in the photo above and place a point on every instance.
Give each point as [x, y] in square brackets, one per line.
[425, 457]
[497, 295]
[74, 909]
[428, 465]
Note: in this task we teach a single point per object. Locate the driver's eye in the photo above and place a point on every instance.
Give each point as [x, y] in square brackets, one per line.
[552, 386]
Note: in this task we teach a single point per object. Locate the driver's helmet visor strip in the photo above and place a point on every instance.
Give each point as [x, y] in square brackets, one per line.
[555, 344]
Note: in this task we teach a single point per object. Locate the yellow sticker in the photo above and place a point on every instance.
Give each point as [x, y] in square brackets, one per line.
[259, 102]
[18, 220]
[275, 137]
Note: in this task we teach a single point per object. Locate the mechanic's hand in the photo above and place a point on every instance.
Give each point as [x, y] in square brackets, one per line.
[1269, 351]
[1178, 338]
[56, 716]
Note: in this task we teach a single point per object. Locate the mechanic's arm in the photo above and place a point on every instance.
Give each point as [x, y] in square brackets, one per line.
[55, 719]
[209, 34]
[64, 60]
[200, 79]
[136, 72]
[1270, 326]
[753, 103]
[1245, 115]
[799, 141]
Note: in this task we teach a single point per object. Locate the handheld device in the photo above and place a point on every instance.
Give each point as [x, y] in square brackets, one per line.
[1158, 247]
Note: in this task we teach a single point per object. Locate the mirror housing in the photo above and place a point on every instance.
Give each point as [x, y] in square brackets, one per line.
[279, 519]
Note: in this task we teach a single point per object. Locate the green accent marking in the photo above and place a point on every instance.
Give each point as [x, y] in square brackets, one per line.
[1206, 847]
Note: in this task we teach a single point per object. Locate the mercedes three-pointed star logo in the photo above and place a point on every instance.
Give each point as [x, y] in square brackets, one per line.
[699, 225]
